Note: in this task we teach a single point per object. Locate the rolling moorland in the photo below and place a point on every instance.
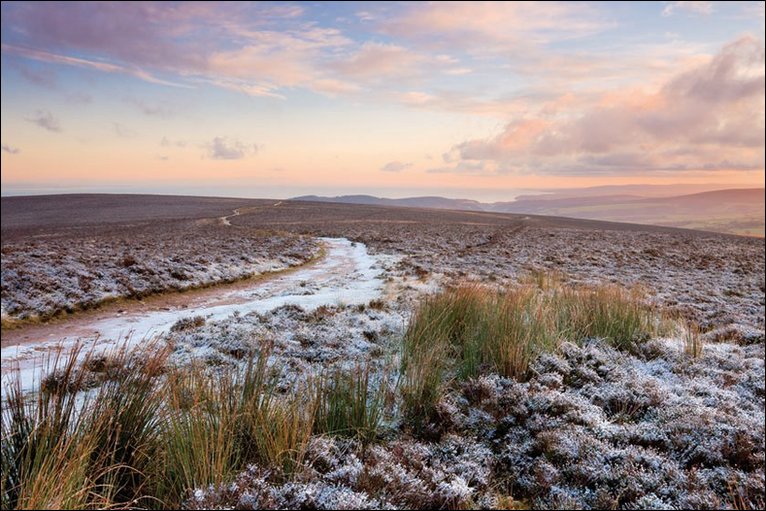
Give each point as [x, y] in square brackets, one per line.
[455, 359]
[734, 211]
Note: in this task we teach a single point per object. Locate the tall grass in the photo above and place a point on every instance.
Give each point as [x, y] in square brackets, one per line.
[146, 437]
[38, 445]
[693, 344]
[466, 331]
[348, 403]
[198, 424]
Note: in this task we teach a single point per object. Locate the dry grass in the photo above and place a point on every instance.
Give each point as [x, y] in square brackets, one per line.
[466, 331]
[146, 437]
[349, 404]
[693, 344]
[64, 449]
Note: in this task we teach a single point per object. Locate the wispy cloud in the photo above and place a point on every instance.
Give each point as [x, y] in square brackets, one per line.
[481, 27]
[395, 166]
[166, 142]
[123, 131]
[79, 97]
[245, 87]
[45, 120]
[224, 148]
[704, 8]
[53, 58]
[378, 60]
[42, 77]
[10, 149]
[151, 109]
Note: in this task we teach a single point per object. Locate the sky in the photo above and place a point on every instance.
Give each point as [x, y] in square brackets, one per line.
[471, 100]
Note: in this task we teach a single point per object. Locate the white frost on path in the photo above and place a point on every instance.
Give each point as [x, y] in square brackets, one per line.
[346, 275]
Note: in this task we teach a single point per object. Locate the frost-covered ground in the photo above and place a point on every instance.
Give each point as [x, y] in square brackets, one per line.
[594, 428]
[346, 279]
[43, 276]
[717, 281]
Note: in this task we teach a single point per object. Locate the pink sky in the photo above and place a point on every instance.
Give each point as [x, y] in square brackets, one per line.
[459, 99]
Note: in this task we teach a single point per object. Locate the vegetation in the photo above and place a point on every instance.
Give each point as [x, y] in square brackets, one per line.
[692, 342]
[467, 331]
[148, 435]
[349, 404]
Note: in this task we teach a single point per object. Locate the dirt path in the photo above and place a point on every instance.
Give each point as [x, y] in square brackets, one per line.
[346, 274]
[224, 220]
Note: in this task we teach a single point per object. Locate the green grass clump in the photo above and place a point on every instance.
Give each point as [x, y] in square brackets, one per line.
[467, 331]
[349, 404]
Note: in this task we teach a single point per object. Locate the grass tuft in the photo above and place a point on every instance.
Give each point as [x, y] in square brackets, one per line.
[693, 344]
[347, 403]
[467, 331]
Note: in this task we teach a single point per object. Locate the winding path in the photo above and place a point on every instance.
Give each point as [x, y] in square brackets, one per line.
[346, 274]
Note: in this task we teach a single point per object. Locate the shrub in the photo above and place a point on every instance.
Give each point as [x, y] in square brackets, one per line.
[128, 260]
[187, 323]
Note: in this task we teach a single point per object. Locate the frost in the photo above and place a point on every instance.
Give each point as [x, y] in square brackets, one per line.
[76, 270]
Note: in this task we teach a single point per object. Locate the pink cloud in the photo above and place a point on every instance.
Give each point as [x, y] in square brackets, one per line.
[378, 60]
[225, 44]
[708, 117]
[224, 148]
[485, 26]
[53, 58]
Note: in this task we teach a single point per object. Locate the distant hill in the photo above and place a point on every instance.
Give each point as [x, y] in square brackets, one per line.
[410, 202]
[542, 203]
[735, 195]
[736, 211]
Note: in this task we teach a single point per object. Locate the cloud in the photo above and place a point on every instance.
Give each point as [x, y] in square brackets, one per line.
[671, 8]
[166, 142]
[11, 150]
[254, 49]
[483, 27]
[81, 98]
[132, 32]
[45, 120]
[708, 117]
[53, 58]
[379, 60]
[122, 131]
[395, 166]
[45, 78]
[754, 9]
[365, 16]
[248, 88]
[269, 51]
[479, 168]
[272, 59]
[223, 148]
[153, 110]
